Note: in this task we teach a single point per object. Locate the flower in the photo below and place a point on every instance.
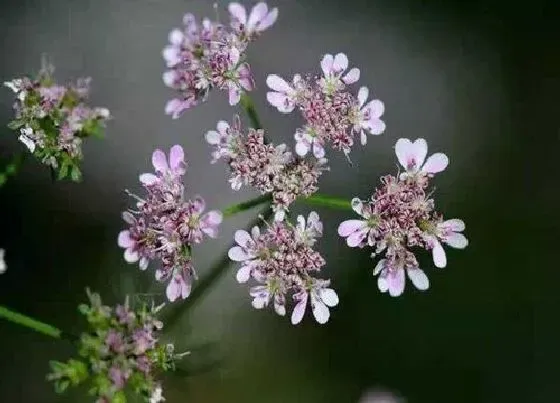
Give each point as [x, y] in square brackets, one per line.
[412, 155]
[259, 20]
[53, 120]
[281, 260]
[3, 265]
[165, 226]
[332, 114]
[157, 396]
[268, 168]
[399, 216]
[210, 55]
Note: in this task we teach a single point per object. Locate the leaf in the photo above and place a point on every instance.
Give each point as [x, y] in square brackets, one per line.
[75, 174]
[15, 124]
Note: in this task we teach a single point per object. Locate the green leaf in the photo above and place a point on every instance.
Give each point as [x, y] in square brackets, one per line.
[15, 124]
[119, 397]
[63, 171]
[75, 174]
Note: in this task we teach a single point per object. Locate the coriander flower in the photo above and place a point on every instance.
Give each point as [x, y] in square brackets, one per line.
[333, 69]
[259, 19]
[366, 116]
[412, 155]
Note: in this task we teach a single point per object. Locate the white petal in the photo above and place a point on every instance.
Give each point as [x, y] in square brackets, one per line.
[327, 64]
[357, 205]
[378, 267]
[363, 93]
[352, 76]
[242, 237]
[176, 37]
[148, 179]
[269, 20]
[237, 254]
[320, 310]
[299, 310]
[376, 108]
[243, 274]
[213, 137]
[403, 148]
[356, 238]
[456, 240]
[438, 254]
[258, 12]
[238, 12]
[454, 224]
[396, 283]
[340, 63]
[420, 150]
[30, 144]
[131, 256]
[328, 296]
[382, 283]
[418, 278]
[348, 227]
[277, 83]
[436, 163]
[302, 148]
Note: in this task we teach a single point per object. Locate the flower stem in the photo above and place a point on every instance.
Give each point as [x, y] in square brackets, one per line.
[30, 323]
[249, 106]
[333, 202]
[238, 208]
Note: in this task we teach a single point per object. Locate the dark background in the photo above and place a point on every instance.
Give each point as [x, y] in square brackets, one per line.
[479, 80]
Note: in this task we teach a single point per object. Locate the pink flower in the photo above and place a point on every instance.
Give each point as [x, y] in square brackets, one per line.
[391, 278]
[321, 299]
[130, 240]
[175, 168]
[223, 140]
[307, 140]
[259, 20]
[333, 69]
[366, 117]
[179, 286]
[449, 232]
[356, 231]
[412, 155]
[246, 251]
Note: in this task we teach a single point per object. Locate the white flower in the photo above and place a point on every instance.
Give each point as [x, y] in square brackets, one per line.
[450, 233]
[412, 155]
[259, 20]
[333, 69]
[157, 396]
[284, 95]
[3, 265]
[321, 299]
[392, 279]
[308, 232]
[367, 116]
[25, 138]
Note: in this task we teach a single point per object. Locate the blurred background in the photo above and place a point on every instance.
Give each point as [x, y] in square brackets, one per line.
[479, 80]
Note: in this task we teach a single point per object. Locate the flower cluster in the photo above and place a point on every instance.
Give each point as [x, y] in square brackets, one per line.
[165, 225]
[53, 120]
[268, 168]
[120, 353]
[332, 114]
[401, 215]
[212, 55]
[282, 260]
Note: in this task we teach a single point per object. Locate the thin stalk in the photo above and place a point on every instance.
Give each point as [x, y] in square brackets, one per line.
[30, 323]
[333, 202]
[243, 206]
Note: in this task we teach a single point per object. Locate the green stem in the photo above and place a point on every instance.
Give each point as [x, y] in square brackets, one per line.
[238, 208]
[249, 106]
[30, 323]
[12, 168]
[334, 202]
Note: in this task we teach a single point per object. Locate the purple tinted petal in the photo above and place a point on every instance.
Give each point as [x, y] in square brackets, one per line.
[148, 179]
[238, 12]
[176, 157]
[395, 280]
[159, 161]
[124, 239]
[348, 227]
[237, 254]
[436, 163]
[299, 309]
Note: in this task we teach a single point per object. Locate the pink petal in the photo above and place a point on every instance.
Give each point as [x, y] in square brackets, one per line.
[148, 179]
[395, 280]
[376, 108]
[159, 161]
[268, 20]
[302, 148]
[376, 126]
[234, 55]
[436, 163]
[237, 254]
[456, 240]
[277, 83]
[131, 255]
[411, 155]
[328, 296]
[352, 76]
[124, 239]
[214, 217]
[438, 254]
[238, 12]
[259, 11]
[299, 310]
[327, 64]
[340, 63]
[318, 150]
[356, 238]
[320, 310]
[420, 149]
[348, 227]
[171, 55]
[243, 274]
[418, 278]
[363, 93]
[173, 289]
[242, 237]
[176, 157]
[234, 94]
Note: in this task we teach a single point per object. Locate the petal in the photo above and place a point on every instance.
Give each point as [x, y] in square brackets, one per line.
[128, 217]
[176, 157]
[214, 217]
[223, 127]
[148, 179]
[340, 63]
[356, 238]
[382, 283]
[259, 11]
[318, 150]
[403, 148]
[234, 95]
[419, 279]
[411, 155]
[420, 150]
[159, 161]
[234, 55]
[144, 263]
[454, 224]
[363, 138]
[268, 20]
[376, 108]
[328, 296]
[376, 126]
[302, 148]
[327, 64]
[456, 240]
[357, 205]
[395, 281]
[277, 83]
[124, 239]
[348, 227]
[320, 310]
[238, 12]
[242, 237]
[176, 37]
[436, 163]
[237, 254]
[243, 274]
[379, 266]
[173, 289]
[299, 310]
[352, 76]
[169, 78]
[438, 254]
[131, 255]
[279, 307]
[363, 93]
[213, 137]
